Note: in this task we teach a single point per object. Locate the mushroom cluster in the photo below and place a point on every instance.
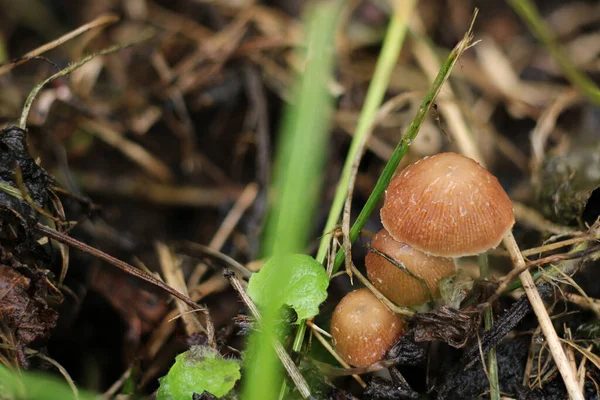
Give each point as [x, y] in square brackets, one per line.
[437, 209]
[442, 206]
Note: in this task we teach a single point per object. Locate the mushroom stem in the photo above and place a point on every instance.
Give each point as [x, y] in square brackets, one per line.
[556, 349]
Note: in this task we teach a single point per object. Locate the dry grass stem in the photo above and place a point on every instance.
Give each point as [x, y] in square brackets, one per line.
[159, 193]
[173, 274]
[102, 20]
[531, 218]
[284, 357]
[242, 204]
[133, 151]
[380, 115]
[459, 128]
[386, 302]
[318, 332]
[127, 268]
[545, 126]
[544, 320]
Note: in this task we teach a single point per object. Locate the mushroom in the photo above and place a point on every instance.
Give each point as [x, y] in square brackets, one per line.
[363, 329]
[407, 289]
[447, 205]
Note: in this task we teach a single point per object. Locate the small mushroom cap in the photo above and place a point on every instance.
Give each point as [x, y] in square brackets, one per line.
[363, 329]
[447, 205]
[396, 284]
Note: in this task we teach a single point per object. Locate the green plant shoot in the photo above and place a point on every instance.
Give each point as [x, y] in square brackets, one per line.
[298, 171]
[198, 370]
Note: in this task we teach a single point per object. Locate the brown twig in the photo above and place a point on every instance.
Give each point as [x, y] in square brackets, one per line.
[122, 265]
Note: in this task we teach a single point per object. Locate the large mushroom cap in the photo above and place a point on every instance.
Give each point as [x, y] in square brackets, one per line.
[396, 284]
[363, 329]
[447, 205]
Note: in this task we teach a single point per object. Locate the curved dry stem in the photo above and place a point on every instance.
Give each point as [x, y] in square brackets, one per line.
[67, 71]
[102, 20]
[317, 332]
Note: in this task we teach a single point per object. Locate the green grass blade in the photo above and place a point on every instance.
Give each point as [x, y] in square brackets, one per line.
[37, 386]
[297, 181]
[488, 321]
[392, 44]
[402, 147]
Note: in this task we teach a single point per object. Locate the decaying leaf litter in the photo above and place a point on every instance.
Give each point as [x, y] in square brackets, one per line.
[157, 157]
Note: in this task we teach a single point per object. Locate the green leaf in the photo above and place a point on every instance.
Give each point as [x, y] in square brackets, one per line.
[304, 291]
[198, 370]
[36, 386]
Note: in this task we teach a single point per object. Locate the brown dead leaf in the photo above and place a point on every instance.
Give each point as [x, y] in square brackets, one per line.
[23, 306]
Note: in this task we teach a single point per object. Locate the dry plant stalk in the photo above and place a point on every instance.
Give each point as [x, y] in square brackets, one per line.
[102, 20]
[174, 277]
[122, 265]
[284, 357]
[380, 116]
[318, 334]
[554, 343]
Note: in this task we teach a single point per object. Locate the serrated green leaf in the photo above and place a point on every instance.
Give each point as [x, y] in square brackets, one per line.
[305, 290]
[198, 370]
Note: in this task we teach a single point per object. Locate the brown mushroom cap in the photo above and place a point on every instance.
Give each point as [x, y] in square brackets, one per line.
[397, 285]
[363, 329]
[447, 205]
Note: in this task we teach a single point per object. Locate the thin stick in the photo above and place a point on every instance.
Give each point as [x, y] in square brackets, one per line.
[245, 200]
[122, 265]
[206, 250]
[112, 390]
[386, 302]
[151, 164]
[533, 219]
[545, 322]
[105, 19]
[581, 370]
[554, 246]
[579, 251]
[317, 332]
[285, 358]
[67, 71]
